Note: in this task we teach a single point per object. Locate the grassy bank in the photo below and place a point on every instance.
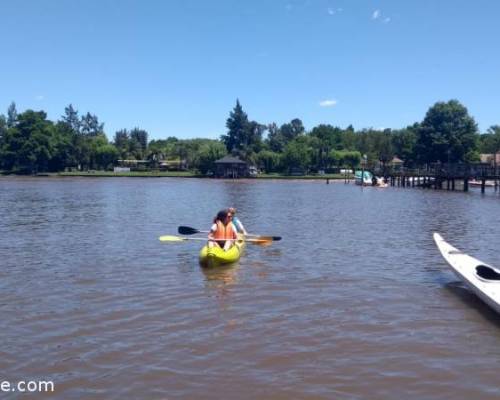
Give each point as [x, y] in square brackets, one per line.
[323, 177]
[186, 174]
[143, 174]
[172, 174]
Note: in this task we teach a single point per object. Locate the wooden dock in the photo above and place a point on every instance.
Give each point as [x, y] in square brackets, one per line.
[445, 176]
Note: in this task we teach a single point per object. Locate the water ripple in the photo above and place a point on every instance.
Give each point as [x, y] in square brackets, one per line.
[355, 302]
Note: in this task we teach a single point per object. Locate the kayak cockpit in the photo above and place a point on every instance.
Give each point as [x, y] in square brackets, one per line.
[488, 273]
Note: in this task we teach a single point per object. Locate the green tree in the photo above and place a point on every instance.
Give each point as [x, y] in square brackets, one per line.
[278, 138]
[275, 139]
[383, 146]
[297, 154]
[491, 142]
[3, 127]
[83, 152]
[64, 153]
[90, 125]
[345, 158]
[328, 138]
[106, 155]
[335, 157]
[244, 137]
[238, 129]
[292, 130]
[268, 160]
[163, 148]
[207, 154]
[403, 142]
[28, 146]
[447, 133]
[351, 159]
[93, 146]
[348, 138]
[71, 119]
[3, 132]
[121, 142]
[138, 142]
[11, 115]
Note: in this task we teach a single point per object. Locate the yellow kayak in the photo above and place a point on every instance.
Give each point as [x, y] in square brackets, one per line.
[215, 256]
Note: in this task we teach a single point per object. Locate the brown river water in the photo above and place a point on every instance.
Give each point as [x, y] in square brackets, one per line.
[354, 303]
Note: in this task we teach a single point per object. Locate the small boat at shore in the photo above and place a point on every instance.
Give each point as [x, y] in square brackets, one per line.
[475, 183]
[363, 178]
[380, 183]
[481, 278]
[216, 256]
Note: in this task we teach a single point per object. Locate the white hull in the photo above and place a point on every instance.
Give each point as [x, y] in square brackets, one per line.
[367, 182]
[483, 279]
[479, 183]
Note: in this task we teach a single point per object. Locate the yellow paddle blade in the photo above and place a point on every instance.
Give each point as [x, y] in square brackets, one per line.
[169, 238]
[265, 238]
[262, 241]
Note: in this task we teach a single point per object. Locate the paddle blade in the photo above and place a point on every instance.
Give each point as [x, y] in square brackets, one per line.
[262, 237]
[169, 238]
[262, 241]
[187, 230]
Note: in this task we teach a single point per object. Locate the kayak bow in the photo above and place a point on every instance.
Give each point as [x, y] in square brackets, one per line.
[483, 279]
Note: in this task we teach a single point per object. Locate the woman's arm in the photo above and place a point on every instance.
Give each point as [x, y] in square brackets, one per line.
[213, 229]
[240, 227]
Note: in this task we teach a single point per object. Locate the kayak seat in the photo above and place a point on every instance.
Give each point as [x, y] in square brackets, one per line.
[488, 273]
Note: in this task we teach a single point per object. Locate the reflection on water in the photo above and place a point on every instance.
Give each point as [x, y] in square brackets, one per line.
[354, 302]
[225, 275]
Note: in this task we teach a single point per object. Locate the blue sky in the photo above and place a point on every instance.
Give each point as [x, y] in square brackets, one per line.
[175, 68]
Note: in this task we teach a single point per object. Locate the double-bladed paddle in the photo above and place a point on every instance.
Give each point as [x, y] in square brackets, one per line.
[172, 238]
[187, 230]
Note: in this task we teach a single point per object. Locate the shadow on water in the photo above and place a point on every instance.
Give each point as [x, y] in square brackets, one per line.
[185, 262]
[461, 291]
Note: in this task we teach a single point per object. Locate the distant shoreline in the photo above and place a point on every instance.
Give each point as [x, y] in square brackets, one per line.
[193, 175]
[179, 174]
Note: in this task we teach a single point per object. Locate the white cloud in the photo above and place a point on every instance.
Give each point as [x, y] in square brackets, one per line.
[377, 15]
[39, 97]
[328, 103]
[333, 11]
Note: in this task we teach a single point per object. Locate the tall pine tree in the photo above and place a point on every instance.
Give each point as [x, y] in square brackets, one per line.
[71, 119]
[238, 129]
[11, 115]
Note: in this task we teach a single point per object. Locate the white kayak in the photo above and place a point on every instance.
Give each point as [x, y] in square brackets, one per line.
[483, 279]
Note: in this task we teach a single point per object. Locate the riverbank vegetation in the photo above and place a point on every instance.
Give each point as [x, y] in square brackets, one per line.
[31, 143]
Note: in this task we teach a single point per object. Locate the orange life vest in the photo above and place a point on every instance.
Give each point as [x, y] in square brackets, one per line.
[224, 232]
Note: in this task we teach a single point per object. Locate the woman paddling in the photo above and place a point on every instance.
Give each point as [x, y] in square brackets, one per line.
[222, 233]
[236, 222]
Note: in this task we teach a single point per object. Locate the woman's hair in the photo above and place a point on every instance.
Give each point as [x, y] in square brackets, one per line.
[221, 216]
[232, 210]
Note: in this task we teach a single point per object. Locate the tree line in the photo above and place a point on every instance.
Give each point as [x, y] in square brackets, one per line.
[31, 143]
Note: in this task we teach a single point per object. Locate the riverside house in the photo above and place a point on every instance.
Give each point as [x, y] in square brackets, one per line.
[231, 167]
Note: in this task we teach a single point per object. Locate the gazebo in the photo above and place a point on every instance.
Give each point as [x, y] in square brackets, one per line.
[396, 163]
[231, 167]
